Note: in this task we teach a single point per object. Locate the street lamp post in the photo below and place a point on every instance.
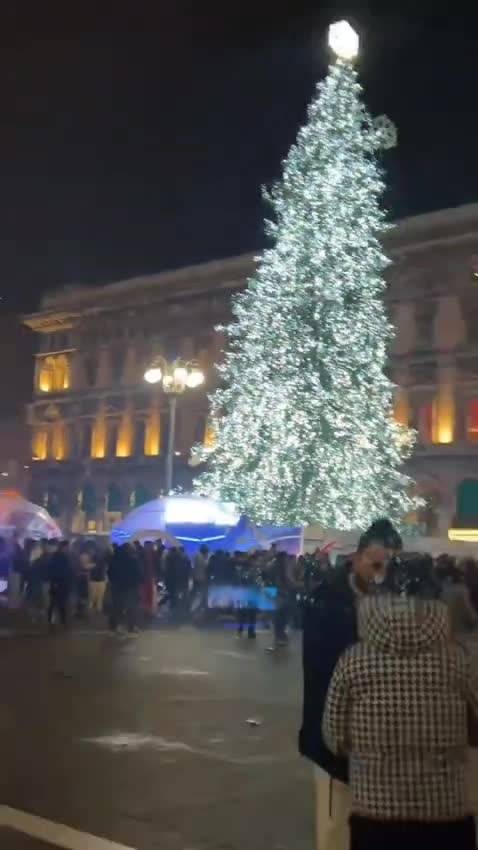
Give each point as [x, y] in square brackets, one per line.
[175, 377]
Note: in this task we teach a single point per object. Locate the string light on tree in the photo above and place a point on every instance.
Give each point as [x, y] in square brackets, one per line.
[303, 416]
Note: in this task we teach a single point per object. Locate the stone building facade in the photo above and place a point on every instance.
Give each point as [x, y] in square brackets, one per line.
[99, 432]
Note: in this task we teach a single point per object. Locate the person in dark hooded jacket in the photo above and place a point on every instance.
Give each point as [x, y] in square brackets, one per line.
[124, 574]
[398, 707]
[330, 627]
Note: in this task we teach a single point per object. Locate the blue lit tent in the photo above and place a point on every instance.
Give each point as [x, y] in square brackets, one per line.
[244, 537]
[184, 520]
[191, 520]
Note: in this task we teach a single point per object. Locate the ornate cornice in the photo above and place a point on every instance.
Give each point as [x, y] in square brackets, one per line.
[64, 309]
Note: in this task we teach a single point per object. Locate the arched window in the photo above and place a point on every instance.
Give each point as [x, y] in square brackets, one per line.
[113, 426]
[117, 364]
[152, 433]
[114, 499]
[88, 500]
[46, 375]
[86, 435]
[139, 437]
[59, 447]
[141, 496]
[53, 501]
[125, 440]
[427, 422]
[62, 373]
[472, 421]
[91, 368]
[99, 435]
[467, 501]
[428, 514]
[40, 443]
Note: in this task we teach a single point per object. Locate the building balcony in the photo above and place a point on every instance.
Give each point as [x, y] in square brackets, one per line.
[456, 449]
[99, 463]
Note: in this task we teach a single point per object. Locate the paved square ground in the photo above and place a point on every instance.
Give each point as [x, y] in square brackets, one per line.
[146, 741]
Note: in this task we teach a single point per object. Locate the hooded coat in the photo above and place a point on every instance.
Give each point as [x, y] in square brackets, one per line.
[398, 705]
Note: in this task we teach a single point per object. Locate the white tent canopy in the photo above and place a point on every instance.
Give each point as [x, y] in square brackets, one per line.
[162, 513]
[25, 519]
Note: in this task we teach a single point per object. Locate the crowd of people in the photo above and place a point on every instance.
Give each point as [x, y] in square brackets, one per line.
[391, 698]
[133, 584]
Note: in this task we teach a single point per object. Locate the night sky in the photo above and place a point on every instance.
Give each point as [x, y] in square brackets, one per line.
[133, 141]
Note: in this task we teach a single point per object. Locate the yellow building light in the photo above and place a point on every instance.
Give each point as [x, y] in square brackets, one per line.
[210, 436]
[40, 444]
[62, 373]
[54, 374]
[59, 441]
[98, 436]
[152, 434]
[445, 415]
[463, 535]
[46, 375]
[401, 408]
[124, 443]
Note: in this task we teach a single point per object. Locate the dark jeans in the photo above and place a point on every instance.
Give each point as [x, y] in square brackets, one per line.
[58, 602]
[368, 834]
[246, 616]
[178, 602]
[281, 619]
[124, 608]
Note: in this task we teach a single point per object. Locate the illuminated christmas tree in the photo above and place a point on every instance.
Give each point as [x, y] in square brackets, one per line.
[303, 416]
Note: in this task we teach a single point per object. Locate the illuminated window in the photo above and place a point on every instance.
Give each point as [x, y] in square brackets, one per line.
[46, 375]
[54, 374]
[152, 433]
[40, 444]
[445, 414]
[401, 407]
[427, 422]
[98, 436]
[472, 421]
[59, 442]
[62, 373]
[436, 420]
[124, 443]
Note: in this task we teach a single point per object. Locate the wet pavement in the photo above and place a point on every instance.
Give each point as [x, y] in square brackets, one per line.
[174, 740]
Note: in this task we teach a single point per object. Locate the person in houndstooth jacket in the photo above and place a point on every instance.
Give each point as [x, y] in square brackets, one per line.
[398, 707]
[330, 627]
